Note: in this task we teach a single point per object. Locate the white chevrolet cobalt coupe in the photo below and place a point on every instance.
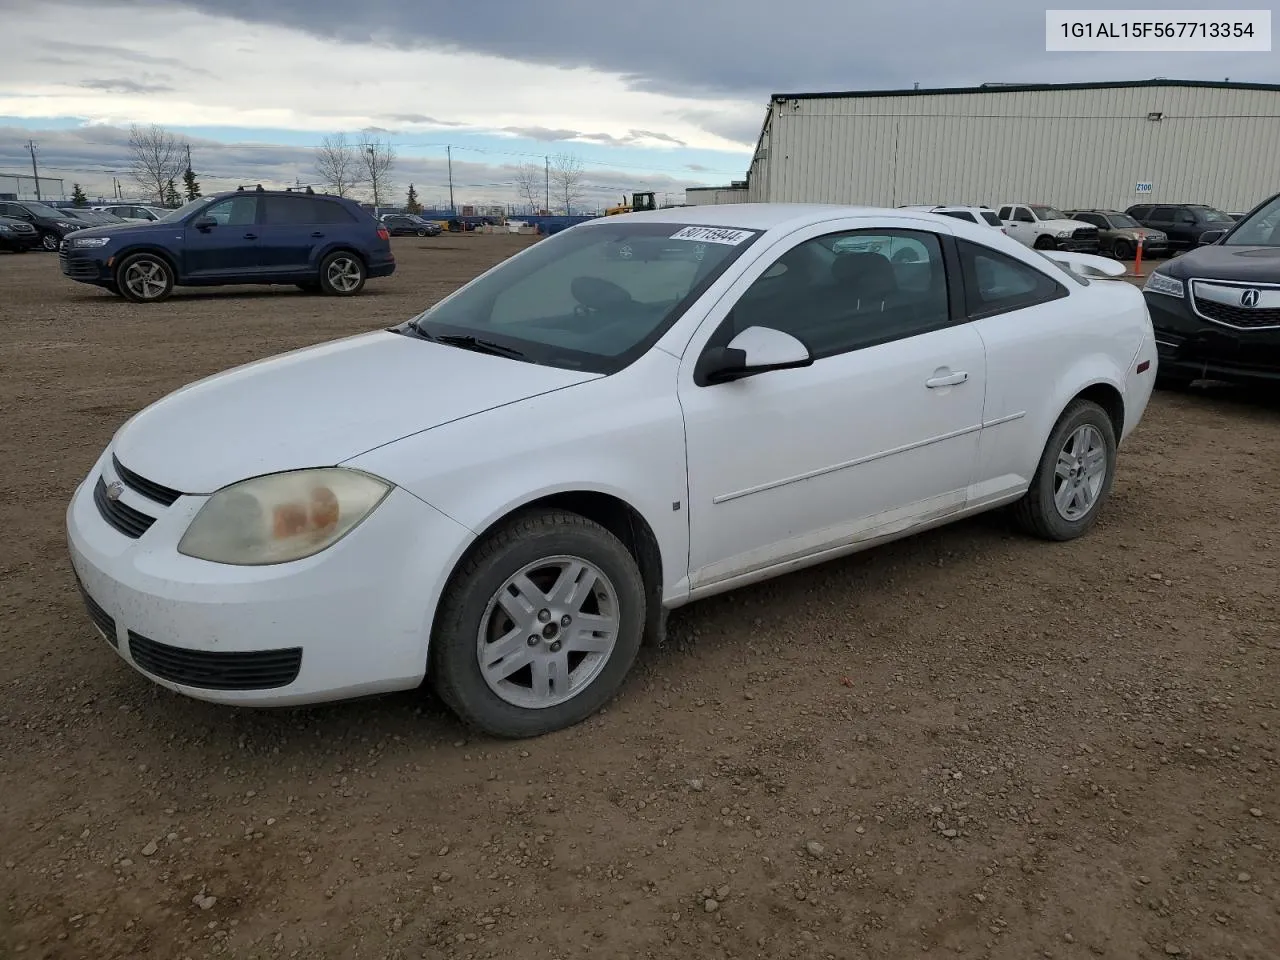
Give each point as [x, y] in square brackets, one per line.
[506, 494]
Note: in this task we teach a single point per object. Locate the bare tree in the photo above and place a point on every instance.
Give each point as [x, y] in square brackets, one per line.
[567, 180]
[377, 157]
[156, 156]
[337, 163]
[531, 185]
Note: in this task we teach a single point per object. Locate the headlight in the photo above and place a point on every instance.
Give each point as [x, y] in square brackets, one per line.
[5, 228]
[282, 516]
[69, 226]
[1064, 234]
[90, 241]
[1163, 283]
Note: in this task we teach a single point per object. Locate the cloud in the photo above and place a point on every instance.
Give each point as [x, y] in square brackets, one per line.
[749, 49]
[82, 51]
[124, 85]
[423, 119]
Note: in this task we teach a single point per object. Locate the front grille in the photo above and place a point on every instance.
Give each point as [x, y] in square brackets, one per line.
[1250, 318]
[152, 491]
[132, 523]
[101, 619]
[1085, 233]
[256, 670]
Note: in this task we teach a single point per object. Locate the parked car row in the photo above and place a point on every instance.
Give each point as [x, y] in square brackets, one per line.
[50, 224]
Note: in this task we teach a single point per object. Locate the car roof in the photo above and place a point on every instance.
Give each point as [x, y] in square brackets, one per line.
[754, 216]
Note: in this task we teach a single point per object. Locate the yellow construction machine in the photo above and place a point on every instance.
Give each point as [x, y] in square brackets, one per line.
[639, 201]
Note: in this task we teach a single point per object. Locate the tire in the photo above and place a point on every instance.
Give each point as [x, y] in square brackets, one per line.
[1037, 513]
[342, 274]
[502, 705]
[1045, 243]
[144, 278]
[50, 242]
[422, 233]
[1122, 250]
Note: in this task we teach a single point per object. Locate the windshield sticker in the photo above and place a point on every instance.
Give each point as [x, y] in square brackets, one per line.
[713, 235]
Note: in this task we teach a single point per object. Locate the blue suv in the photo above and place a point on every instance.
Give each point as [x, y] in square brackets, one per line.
[314, 241]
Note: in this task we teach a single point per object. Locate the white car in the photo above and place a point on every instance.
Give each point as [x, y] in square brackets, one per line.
[515, 226]
[969, 214]
[507, 492]
[1042, 227]
[135, 212]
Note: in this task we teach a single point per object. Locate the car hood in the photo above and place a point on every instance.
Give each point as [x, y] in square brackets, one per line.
[1067, 224]
[116, 229]
[1214, 262]
[319, 406]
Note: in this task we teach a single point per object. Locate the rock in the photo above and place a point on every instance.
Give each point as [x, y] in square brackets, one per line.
[203, 902]
[1255, 811]
[1172, 949]
[1069, 938]
[722, 893]
[150, 849]
[710, 906]
[696, 785]
[1243, 877]
[815, 849]
[951, 833]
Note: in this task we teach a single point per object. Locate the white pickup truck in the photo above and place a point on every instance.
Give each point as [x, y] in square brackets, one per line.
[1043, 227]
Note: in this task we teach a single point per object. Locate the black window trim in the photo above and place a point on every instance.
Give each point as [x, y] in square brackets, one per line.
[971, 313]
[950, 266]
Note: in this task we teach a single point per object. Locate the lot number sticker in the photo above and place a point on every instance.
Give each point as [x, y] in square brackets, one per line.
[712, 235]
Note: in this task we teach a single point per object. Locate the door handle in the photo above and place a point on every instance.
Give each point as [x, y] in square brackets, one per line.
[947, 381]
[318, 235]
[251, 236]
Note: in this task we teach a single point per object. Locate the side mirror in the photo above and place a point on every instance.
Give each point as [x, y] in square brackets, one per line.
[753, 351]
[1211, 236]
[205, 223]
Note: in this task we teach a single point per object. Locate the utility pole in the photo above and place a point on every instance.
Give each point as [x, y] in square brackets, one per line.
[31, 148]
[188, 156]
[453, 211]
[546, 162]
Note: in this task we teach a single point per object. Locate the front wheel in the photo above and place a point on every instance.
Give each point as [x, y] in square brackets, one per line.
[422, 233]
[50, 241]
[1045, 243]
[144, 278]
[1074, 477]
[1122, 250]
[538, 629]
[342, 274]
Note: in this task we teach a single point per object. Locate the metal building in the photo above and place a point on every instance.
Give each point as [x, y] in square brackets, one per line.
[1071, 145]
[735, 192]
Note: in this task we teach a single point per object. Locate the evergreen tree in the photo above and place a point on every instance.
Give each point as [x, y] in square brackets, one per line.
[171, 195]
[411, 202]
[190, 185]
[78, 199]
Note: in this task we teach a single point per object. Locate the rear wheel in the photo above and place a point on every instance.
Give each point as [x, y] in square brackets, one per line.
[144, 278]
[538, 629]
[342, 274]
[1074, 477]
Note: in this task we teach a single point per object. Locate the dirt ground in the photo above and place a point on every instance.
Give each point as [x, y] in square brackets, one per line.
[966, 744]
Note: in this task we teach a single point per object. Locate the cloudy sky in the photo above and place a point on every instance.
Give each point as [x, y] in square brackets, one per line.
[653, 94]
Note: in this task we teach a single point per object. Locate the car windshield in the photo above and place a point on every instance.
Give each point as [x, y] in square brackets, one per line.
[592, 297]
[1258, 230]
[1122, 221]
[190, 206]
[1048, 213]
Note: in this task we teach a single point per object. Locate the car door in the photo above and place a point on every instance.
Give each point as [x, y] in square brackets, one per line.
[290, 227]
[1022, 226]
[225, 247]
[1162, 219]
[1024, 317]
[878, 435]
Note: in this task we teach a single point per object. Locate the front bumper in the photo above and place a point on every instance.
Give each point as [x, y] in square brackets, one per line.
[87, 266]
[1193, 347]
[350, 621]
[1078, 246]
[19, 241]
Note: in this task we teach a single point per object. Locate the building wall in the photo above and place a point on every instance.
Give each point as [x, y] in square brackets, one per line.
[699, 196]
[1070, 148]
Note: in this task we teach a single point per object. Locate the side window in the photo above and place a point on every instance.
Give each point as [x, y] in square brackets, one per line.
[1092, 219]
[1162, 214]
[1185, 216]
[959, 215]
[234, 211]
[1023, 215]
[286, 210]
[846, 291]
[1006, 213]
[327, 211]
[995, 283]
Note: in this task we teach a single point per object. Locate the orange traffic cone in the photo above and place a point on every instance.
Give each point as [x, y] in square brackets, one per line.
[1137, 260]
